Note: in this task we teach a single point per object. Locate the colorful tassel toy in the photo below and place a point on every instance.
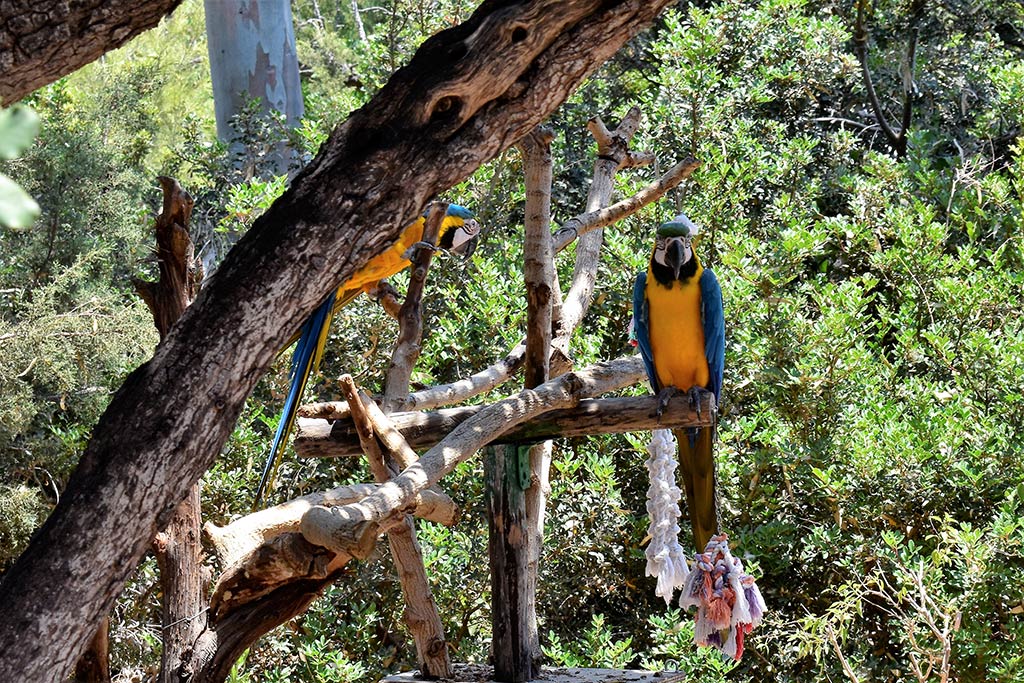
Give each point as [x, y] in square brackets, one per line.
[729, 604]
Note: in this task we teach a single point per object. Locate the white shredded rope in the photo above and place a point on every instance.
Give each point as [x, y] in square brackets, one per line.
[666, 559]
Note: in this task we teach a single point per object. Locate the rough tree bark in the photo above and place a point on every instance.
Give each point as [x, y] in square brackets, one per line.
[468, 93]
[42, 40]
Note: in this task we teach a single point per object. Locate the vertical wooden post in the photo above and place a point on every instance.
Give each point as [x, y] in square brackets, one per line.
[505, 467]
[542, 296]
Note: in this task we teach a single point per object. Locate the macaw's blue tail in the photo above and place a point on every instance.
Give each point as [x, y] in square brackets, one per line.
[697, 469]
[306, 358]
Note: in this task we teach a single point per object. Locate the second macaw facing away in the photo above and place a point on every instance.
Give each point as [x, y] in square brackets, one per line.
[455, 234]
[679, 325]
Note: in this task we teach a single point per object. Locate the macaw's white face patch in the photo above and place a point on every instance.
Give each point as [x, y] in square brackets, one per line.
[673, 252]
[464, 234]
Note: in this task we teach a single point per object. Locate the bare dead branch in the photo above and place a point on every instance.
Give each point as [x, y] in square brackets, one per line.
[600, 218]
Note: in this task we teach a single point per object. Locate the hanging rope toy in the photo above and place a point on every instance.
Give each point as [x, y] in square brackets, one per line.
[729, 604]
[666, 559]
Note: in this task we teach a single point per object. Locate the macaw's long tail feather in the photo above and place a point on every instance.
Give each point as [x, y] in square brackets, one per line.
[305, 360]
[697, 468]
[342, 298]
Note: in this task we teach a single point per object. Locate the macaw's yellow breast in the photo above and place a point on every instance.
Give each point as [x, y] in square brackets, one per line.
[386, 264]
[677, 333]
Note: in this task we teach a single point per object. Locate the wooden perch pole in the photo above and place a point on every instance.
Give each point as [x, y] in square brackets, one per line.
[424, 430]
[420, 609]
[612, 154]
[410, 319]
[347, 526]
[421, 614]
[440, 395]
[542, 296]
[600, 218]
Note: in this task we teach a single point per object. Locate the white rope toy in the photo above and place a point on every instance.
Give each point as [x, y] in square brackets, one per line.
[666, 559]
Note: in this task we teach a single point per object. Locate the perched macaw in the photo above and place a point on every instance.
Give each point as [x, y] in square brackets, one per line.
[679, 325]
[458, 228]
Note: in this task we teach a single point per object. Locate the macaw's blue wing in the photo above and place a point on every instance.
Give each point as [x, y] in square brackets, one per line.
[305, 359]
[641, 327]
[714, 330]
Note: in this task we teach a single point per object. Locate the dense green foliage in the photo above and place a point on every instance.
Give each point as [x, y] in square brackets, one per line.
[869, 464]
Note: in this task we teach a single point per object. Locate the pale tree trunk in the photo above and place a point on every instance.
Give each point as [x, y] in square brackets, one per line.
[252, 56]
[42, 40]
[468, 93]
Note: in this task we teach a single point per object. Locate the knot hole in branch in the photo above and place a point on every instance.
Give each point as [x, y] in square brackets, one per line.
[447, 107]
[519, 34]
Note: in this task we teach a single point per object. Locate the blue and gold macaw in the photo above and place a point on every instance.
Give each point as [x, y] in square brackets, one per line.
[679, 326]
[457, 231]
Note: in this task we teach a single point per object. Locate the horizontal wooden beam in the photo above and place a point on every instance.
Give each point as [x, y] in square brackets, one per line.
[422, 430]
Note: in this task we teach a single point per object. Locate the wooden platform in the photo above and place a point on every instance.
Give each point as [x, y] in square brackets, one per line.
[481, 673]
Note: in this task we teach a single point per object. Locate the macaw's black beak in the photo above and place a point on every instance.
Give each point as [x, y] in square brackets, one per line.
[675, 256]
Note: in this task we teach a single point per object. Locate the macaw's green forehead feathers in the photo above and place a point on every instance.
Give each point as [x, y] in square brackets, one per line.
[680, 226]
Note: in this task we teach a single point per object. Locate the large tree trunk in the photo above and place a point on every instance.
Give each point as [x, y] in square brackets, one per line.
[42, 40]
[469, 92]
[252, 56]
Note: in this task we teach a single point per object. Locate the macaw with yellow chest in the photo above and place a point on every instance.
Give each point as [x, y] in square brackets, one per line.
[679, 324]
[458, 230]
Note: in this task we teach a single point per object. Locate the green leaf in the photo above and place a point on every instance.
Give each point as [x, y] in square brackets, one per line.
[19, 126]
[17, 209]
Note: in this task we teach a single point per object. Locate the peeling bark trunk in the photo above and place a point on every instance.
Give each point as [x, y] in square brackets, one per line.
[469, 92]
[252, 56]
[42, 40]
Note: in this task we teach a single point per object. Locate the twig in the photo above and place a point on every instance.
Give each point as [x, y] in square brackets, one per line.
[600, 218]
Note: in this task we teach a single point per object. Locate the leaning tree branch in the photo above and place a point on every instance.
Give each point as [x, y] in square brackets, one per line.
[42, 40]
